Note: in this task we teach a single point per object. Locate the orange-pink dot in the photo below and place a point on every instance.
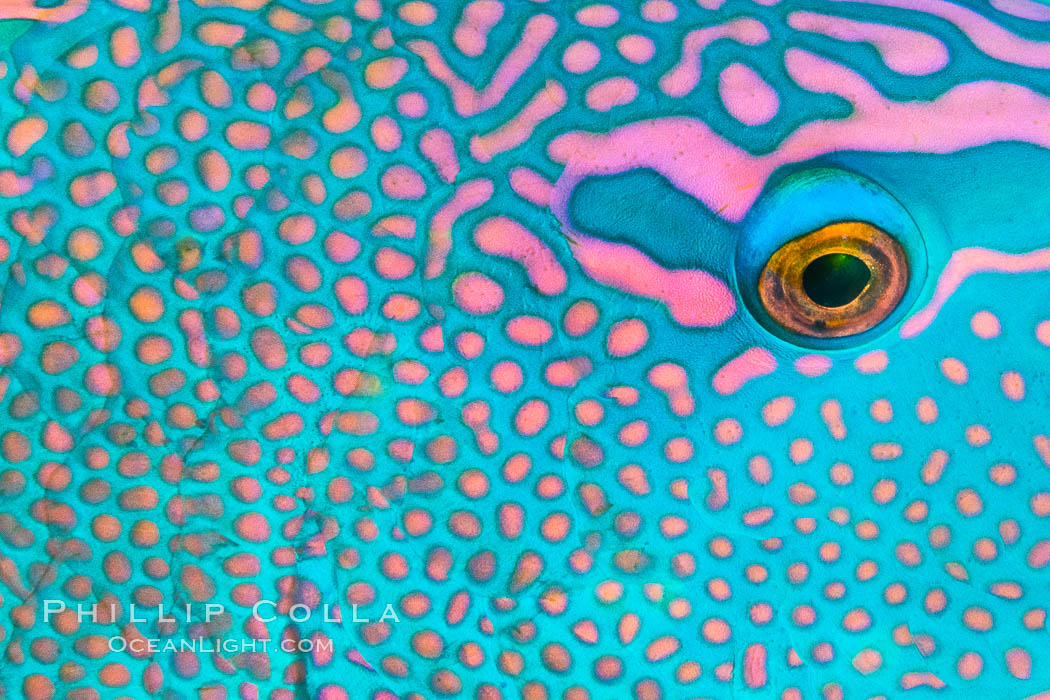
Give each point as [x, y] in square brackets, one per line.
[1042, 332]
[926, 410]
[589, 412]
[581, 56]
[1013, 385]
[678, 449]
[978, 619]
[800, 450]
[529, 331]
[506, 376]
[252, 527]
[1019, 663]
[978, 435]
[716, 631]
[634, 433]
[728, 431]
[627, 337]
[985, 324]
[970, 665]
[477, 294]
[954, 370]
[582, 317]
[968, 502]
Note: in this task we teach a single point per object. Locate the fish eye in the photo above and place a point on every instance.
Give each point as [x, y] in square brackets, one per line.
[836, 281]
[830, 259]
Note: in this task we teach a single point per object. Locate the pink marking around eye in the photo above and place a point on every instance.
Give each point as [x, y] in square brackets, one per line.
[991, 38]
[750, 364]
[727, 179]
[749, 98]
[693, 297]
[680, 80]
[905, 51]
[966, 262]
[507, 238]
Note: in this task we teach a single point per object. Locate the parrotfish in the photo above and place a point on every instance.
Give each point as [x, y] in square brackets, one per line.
[485, 349]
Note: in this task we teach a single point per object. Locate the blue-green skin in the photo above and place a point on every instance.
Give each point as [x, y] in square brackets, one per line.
[993, 196]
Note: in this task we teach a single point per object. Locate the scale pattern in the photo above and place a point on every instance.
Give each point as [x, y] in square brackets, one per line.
[435, 305]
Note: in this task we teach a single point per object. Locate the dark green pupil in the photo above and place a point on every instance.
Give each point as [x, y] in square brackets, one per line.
[835, 279]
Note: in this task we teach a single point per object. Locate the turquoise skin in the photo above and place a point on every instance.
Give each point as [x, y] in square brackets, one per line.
[255, 427]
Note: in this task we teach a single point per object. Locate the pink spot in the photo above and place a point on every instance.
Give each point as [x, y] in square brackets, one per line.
[611, 92]
[674, 382]
[506, 376]
[581, 317]
[600, 16]
[984, 324]
[872, 362]
[627, 337]
[529, 330]
[393, 264]
[402, 182]
[659, 11]
[748, 97]
[507, 238]
[1019, 663]
[477, 294]
[636, 48]
[813, 365]
[341, 247]
[581, 56]
[750, 364]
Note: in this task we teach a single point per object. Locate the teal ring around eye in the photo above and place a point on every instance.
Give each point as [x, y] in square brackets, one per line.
[808, 200]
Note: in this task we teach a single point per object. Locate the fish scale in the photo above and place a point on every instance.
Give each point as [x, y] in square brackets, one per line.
[422, 340]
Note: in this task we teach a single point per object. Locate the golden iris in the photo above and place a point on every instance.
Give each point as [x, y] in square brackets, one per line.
[839, 280]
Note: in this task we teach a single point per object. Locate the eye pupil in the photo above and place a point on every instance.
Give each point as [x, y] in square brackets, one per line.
[835, 279]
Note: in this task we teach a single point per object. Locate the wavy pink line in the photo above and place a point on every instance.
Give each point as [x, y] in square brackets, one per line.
[964, 263]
